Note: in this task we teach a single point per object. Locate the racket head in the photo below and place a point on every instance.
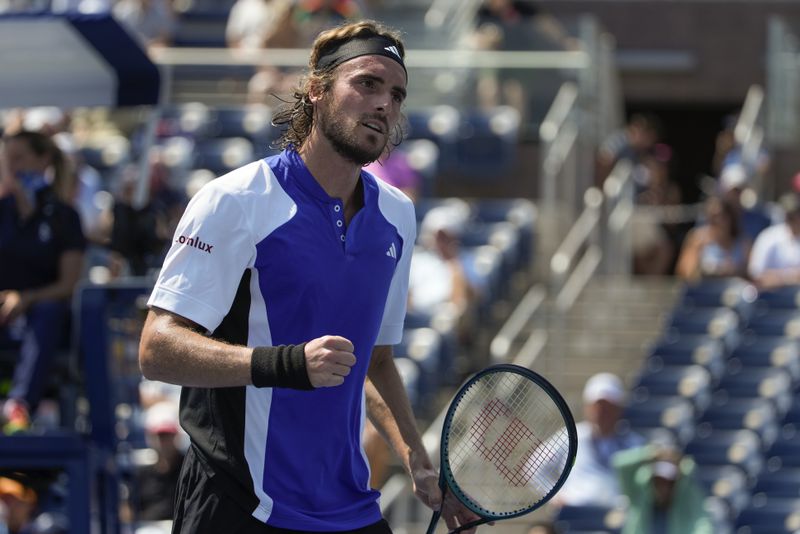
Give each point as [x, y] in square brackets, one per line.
[488, 448]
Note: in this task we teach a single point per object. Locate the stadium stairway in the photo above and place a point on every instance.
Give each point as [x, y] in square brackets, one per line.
[607, 330]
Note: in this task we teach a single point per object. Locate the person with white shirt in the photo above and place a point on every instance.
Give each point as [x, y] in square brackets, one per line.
[593, 480]
[775, 258]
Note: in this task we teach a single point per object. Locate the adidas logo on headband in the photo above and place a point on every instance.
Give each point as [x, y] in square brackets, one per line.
[393, 50]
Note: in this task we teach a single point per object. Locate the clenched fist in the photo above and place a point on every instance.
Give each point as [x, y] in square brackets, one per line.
[328, 360]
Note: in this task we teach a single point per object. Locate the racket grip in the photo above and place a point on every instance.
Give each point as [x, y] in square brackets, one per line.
[434, 519]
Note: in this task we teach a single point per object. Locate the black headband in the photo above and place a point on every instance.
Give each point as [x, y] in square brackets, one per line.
[371, 46]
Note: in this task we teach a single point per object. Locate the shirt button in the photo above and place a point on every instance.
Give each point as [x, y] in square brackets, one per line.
[339, 224]
[337, 208]
[342, 236]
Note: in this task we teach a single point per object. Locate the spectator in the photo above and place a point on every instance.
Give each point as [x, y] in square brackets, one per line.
[42, 246]
[593, 480]
[775, 258]
[632, 143]
[718, 247]
[394, 169]
[17, 506]
[156, 483]
[150, 21]
[662, 495]
[654, 243]
[437, 279]
[734, 185]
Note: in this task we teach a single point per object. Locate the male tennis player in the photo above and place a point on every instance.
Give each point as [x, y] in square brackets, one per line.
[277, 307]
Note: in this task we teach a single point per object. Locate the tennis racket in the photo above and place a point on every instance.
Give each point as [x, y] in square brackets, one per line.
[508, 444]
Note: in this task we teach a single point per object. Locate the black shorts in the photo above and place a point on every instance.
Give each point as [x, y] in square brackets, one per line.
[203, 508]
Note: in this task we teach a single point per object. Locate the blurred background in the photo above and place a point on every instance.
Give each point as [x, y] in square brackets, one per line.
[606, 192]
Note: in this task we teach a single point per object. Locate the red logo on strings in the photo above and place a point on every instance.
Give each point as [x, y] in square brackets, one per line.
[515, 437]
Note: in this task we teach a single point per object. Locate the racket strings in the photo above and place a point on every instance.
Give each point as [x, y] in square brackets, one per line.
[508, 443]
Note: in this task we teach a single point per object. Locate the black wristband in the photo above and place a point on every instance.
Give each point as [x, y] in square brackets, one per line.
[280, 367]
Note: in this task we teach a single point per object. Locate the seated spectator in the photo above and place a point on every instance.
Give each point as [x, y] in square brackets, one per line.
[734, 183]
[156, 482]
[592, 480]
[42, 247]
[717, 248]
[17, 506]
[394, 169]
[662, 495]
[437, 279]
[632, 143]
[775, 258]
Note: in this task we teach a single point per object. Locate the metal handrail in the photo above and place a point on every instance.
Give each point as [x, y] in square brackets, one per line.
[516, 322]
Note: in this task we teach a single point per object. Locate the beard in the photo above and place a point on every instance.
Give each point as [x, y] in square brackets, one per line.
[345, 142]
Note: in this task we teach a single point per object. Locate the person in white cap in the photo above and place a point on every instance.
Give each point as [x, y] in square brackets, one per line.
[775, 258]
[592, 480]
[734, 180]
[663, 496]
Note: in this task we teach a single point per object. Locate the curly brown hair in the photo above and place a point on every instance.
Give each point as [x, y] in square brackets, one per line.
[296, 115]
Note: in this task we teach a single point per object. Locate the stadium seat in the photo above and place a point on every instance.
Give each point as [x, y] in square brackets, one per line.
[691, 382]
[734, 293]
[740, 448]
[253, 122]
[725, 482]
[769, 516]
[224, 155]
[190, 119]
[756, 414]
[519, 212]
[689, 350]
[410, 375]
[774, 323]
[785, 297]
[423, 346]
[791, 420]
[784, 452]
[720, 323]
[438, 124]
[770, 383]
[673, 413]
[503, 236]
[590, 519]
[784, 482]
[483, 267]
[767, 351]
[487, 141]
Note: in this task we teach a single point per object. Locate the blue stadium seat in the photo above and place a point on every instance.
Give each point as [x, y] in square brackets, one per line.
[487, 142]
[483, 267]
[519, 212]
[410, 374]
[689, 350]
[767, 351]
[784, 482]
[740, 448]
[673, 413]
[590, 519]
[720, 323]
[691, 382]
[791, 420]
[224, 155]
[770, 383]
[725, 482]
[769, 516]
[734, 293]
[108, 156]
[784, 452]
[424, 347]
[786, 297]
[439, 124]
[503, 236]
[253, 122]
[775, 323]
[756, 414]
[190, 119]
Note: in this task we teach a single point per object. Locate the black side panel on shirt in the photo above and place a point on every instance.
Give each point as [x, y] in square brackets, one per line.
[214, 417]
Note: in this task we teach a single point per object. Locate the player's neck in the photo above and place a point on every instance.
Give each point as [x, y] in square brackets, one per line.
[338, 176]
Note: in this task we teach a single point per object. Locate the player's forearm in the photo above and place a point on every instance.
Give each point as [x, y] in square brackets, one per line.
[174, 353]
[390, 411]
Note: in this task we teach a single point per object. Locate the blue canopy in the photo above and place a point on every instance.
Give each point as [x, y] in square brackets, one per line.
[73, 61]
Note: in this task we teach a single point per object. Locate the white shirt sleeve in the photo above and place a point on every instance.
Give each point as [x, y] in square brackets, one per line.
[759, 255]
[212, 246]
[394, 314]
